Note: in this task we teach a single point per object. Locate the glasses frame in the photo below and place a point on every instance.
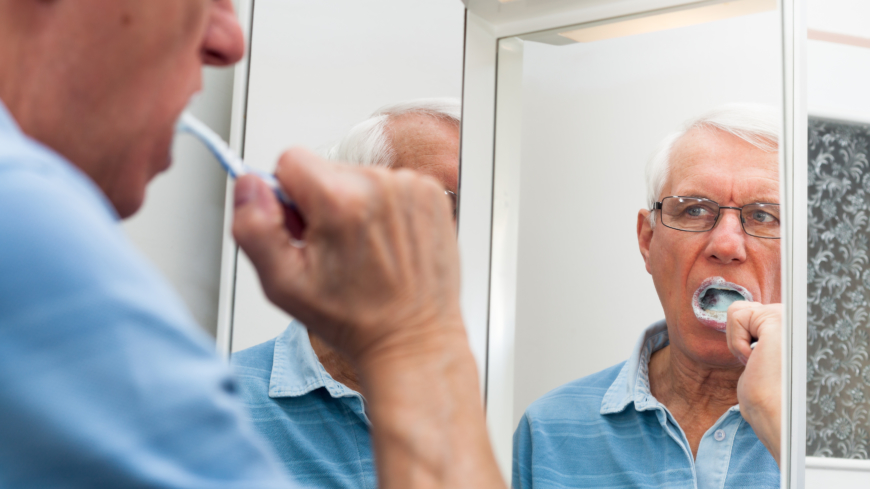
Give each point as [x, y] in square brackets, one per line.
[658, 207]
[455, 199]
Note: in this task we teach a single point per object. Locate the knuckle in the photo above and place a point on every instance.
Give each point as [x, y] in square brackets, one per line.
[353, 207]
[355, 203]
[286, 157]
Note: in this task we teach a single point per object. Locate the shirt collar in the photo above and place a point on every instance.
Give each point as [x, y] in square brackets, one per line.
[296, 371]
[632, 383]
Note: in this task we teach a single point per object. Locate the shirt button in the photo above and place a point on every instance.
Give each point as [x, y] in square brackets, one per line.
[719, 435]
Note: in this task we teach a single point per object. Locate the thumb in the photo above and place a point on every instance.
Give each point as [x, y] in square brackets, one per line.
[258, 227]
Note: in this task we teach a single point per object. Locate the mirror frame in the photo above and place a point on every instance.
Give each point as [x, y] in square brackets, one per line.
[229, 248]
[493, 66]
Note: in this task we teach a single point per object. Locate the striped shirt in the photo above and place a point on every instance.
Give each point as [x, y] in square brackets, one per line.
[317, 425]
[608, 431]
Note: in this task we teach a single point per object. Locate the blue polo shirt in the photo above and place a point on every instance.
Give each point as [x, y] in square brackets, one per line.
[607, 431]
[318, 426]
[105, 380]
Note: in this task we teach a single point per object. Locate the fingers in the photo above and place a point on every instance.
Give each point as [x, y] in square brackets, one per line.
[310, 182]
[258, 227]
[737, 330]
[380, 253]
[748, 321]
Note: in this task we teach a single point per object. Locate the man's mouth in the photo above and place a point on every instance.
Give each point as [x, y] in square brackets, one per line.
[710, 302]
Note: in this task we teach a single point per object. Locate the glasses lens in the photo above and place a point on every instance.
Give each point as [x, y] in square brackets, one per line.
[689, 213]
[761, 220]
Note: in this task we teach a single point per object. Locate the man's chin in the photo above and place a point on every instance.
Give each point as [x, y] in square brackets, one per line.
[129, 202]
[712, 323]
[712, 350]
[128, 205]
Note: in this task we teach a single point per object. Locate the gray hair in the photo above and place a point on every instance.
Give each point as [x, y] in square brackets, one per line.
[758, 125]
[367, 143]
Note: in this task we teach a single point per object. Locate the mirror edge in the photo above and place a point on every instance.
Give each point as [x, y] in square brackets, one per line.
[794, 193]
[229, 249]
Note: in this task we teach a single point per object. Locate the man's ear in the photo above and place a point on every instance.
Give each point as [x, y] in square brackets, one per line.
[644, 236]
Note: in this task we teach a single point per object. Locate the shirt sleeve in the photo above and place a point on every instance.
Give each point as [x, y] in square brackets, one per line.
[522, 460]
[106, 380]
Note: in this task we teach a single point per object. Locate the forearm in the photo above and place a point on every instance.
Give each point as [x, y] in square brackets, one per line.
[759, 390]
[427, 417]
[767, 427]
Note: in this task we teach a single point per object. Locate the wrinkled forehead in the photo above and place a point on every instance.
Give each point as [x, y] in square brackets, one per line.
[720, 166]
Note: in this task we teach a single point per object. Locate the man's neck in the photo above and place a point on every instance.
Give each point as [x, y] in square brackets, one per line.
[696, 395]
[335, 364]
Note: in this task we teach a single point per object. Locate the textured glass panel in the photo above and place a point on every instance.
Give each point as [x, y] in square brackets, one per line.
[838, 278]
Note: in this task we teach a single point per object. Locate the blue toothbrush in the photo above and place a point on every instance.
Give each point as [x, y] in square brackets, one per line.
[235, 167]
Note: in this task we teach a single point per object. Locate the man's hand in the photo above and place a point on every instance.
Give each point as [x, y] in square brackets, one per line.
[380, 265]
[378, 279]
[759, 390]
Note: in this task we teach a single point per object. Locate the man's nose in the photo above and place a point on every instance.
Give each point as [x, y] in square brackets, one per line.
[224, 43]
[727, 241]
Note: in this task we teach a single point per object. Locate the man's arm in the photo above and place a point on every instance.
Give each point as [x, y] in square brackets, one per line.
[379, 280]
[759, 390]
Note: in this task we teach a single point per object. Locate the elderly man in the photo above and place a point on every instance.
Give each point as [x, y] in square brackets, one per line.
[305, 397]
[669, 416]
[106, 380]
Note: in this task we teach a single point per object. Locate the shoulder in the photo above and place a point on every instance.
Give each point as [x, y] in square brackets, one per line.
[580, 397]
[71, 268]
[55, 216]
[39, 177]
[252, 372]
[70, 252]
[257, 358]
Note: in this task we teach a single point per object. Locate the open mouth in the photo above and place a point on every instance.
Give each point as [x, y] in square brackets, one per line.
[710, 302]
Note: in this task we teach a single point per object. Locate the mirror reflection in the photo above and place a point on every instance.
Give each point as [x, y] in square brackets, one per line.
[332, 77]
[648, 192]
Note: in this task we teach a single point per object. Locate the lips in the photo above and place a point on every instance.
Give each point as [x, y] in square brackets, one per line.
[710, 302]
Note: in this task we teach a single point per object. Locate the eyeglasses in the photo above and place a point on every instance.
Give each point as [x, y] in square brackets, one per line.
[453, 201]
[697, 215]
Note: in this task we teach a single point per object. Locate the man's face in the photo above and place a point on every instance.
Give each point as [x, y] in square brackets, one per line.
[427, 145]
[718, 166]
[123, 72]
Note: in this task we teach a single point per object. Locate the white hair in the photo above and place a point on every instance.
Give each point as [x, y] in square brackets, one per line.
[367, 143]
[758, 125]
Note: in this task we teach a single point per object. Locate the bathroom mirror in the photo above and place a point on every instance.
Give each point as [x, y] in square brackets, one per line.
[579, 109]
[314, 71]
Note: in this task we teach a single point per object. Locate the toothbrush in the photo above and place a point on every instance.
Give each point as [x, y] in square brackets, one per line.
[235, 167]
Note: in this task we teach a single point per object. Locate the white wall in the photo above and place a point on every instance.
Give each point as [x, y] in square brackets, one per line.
[317, 69]
[838, 75]
[592, 115]
[181, 224]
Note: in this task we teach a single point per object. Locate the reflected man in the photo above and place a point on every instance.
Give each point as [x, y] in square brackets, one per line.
[669, 415]
[304, 396]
